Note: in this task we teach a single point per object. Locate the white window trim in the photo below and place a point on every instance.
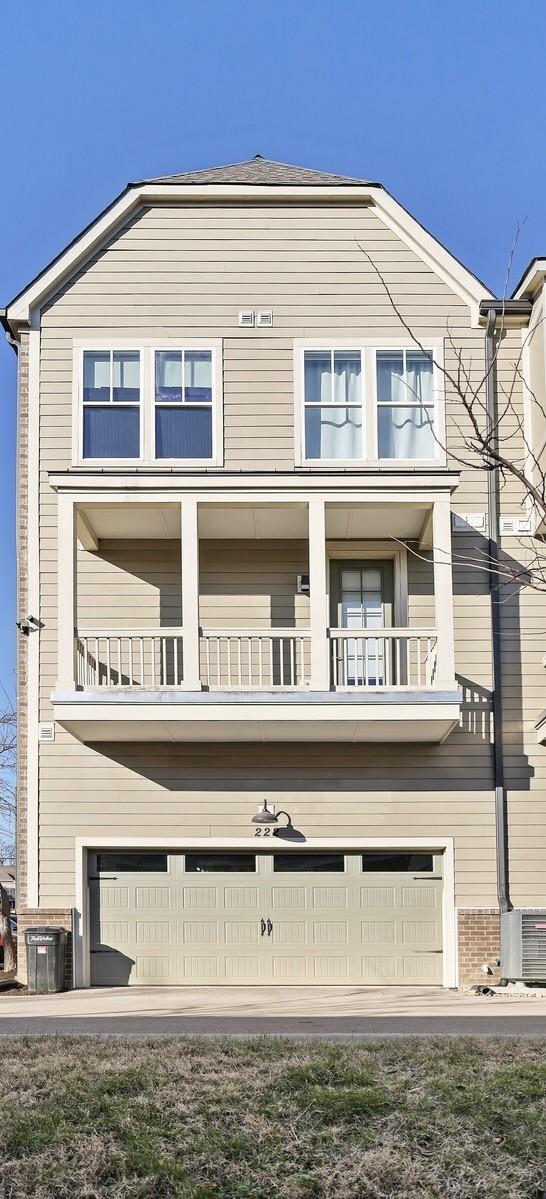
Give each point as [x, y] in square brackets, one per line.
[368, 348]
[147, 348]
[215, 348]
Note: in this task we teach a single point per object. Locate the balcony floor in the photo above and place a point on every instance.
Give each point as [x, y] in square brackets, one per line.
[121, 715]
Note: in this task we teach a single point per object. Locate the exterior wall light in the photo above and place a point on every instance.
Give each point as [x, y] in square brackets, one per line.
[265, 815]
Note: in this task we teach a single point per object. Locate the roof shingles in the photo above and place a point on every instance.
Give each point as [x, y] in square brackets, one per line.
[260, 171]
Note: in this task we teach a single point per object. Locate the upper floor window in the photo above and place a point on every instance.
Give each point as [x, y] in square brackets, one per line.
[183, 404]
[150, 403]
[333, 404]
[111, 404]
[367, 404]
[405, 404]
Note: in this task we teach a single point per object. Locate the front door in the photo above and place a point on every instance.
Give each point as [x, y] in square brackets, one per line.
[362, 597]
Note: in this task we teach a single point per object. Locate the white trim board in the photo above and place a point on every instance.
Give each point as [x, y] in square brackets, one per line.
[394, 215]
[83, 844]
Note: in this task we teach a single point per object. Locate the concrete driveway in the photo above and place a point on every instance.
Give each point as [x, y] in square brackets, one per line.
[294, 1011]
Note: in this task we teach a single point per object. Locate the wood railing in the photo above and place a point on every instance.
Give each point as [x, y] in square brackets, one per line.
[394, 658]
[124, 658]
[255, 659]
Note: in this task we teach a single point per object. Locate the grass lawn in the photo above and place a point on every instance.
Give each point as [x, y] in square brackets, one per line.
[410, 1119]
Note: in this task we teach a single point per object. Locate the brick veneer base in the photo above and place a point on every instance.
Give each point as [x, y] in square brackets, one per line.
[478, 944]
[36, 918]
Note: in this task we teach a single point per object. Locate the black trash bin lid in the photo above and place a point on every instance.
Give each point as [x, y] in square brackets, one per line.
[45, 936]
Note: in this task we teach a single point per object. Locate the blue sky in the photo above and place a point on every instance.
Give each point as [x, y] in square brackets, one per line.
[444, 103]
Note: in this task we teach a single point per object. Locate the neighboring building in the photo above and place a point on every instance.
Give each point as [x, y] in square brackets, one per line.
[7, 881]
[238, 581]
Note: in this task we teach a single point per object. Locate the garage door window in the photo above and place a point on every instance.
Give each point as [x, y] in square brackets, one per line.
[220, 863]
[132, 863]
[288, 863]
[401, 863]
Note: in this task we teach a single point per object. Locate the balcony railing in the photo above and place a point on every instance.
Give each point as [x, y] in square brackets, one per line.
[393, 658]
[255, 659]
[124, 658]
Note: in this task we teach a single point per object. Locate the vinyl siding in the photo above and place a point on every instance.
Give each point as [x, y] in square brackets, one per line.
[187, 270]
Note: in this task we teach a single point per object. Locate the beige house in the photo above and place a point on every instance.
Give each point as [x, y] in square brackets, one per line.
[251, 568]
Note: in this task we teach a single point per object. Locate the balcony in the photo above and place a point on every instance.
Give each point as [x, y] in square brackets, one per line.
[288, 674]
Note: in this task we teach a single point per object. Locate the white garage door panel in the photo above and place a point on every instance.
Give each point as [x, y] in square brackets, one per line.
[287, 917]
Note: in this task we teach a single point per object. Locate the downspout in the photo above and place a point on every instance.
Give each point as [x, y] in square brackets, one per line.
[501, 815]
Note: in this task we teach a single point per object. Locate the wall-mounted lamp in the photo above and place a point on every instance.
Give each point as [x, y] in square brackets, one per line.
[265, 815]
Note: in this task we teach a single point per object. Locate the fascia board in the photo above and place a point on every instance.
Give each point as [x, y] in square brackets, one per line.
[431, 251]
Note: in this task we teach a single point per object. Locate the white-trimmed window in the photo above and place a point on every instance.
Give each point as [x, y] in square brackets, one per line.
[111, 394]
[405, 405]
[183, 398]
[368, 403]
[332, 384]
[148, 402]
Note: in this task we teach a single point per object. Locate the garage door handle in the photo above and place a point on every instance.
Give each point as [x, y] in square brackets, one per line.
[269, 928]
[263, 926]
[428, 878]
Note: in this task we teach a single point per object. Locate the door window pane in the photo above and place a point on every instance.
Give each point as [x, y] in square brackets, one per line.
[110, 432]
[132, 863]
[220, 863]
[406, 432]
[403, 863]
[295, 863]
[183, 432]
[333, 434]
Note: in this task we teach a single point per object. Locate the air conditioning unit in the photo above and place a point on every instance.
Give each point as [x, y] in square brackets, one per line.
[523, 946]
[246, 318]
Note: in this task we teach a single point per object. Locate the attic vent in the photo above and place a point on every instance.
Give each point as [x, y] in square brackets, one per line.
[246, 318]
[515, 524]
[264, 320]
[46, 732]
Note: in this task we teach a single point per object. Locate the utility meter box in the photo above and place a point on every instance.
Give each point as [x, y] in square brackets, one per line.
[46, 958]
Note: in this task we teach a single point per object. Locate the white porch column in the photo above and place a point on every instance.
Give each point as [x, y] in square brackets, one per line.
[66, 607]
[443, 592]
[190, 593]
[318, 597]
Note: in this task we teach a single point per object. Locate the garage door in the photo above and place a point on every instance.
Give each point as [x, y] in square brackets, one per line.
[289, 916]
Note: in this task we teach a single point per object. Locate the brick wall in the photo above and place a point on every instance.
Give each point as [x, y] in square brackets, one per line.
[40, 918]
[478, 943]
[22, 642]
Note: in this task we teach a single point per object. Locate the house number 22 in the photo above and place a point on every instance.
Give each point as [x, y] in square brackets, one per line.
[262, 832]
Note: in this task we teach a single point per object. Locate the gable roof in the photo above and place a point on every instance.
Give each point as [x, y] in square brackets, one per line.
[255, 178]
[259, 171]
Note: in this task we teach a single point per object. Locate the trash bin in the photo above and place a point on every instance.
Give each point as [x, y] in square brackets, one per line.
[46, 956]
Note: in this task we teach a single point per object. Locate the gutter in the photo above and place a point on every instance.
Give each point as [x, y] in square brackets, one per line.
[501, 816]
